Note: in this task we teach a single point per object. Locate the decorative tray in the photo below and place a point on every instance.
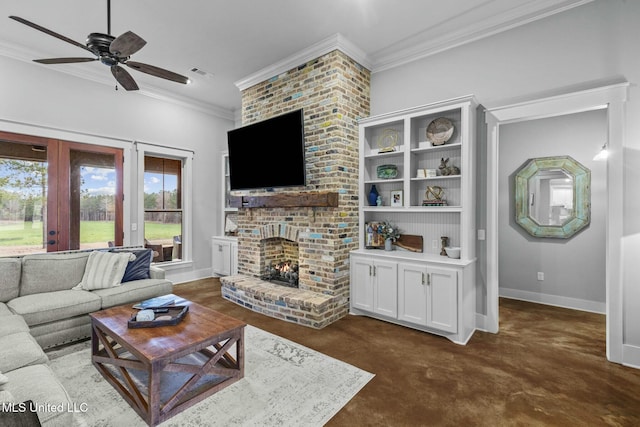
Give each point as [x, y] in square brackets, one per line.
[171, 317]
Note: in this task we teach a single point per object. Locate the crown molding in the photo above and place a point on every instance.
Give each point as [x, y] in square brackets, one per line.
[334, 42]
[433, 41]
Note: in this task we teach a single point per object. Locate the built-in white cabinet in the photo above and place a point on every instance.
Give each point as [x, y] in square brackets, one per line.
[421, 292]
[224, 248]
[428, 296]
[374, 285]
[229, 214]
[224, 256]
[401, 154]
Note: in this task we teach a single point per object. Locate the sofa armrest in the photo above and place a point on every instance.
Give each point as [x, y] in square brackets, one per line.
[156, 272]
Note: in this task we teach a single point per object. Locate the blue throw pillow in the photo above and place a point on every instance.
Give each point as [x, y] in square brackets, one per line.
[137, 269]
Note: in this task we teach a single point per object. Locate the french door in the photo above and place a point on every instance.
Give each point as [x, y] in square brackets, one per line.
[58, 195]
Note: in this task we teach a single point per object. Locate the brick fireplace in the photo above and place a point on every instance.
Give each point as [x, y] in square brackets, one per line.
[333, 90]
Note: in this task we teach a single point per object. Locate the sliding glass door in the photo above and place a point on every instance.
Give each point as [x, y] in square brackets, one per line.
[57, 195]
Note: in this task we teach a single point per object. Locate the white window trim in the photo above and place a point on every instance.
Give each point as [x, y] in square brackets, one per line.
[186, 156]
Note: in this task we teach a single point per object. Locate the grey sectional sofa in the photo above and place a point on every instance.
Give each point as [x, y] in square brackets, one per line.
[40, 309]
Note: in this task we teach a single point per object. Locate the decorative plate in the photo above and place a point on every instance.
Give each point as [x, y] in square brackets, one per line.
[439, 131]
[388, 140]
[387, 171]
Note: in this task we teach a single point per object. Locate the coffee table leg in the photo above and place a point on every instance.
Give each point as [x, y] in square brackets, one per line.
[154, 393]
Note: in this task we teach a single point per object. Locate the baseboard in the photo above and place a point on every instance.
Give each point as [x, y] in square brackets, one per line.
[631, 356]
[555, 300]
[481, 324]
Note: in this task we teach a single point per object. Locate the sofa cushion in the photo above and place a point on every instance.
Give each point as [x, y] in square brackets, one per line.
[51, 306]
[138, 268]
[104, 270]
[12, 324]
[10, 269]
[133, 292]
[39, 384]
[51, 272]
[20, 349]
[4, 310]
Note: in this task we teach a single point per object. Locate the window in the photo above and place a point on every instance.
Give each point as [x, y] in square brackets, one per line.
[164, 177]
[163, 207]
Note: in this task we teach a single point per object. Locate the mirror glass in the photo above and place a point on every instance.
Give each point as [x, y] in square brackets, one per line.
[553, 197]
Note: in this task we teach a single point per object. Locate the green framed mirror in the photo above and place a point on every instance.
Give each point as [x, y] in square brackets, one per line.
[553, 197]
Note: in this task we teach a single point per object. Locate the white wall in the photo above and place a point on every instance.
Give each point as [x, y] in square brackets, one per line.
[574, 269]
[71, 106]
[588, 46]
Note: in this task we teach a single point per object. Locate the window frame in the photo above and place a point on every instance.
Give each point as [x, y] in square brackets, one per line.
[186, 156]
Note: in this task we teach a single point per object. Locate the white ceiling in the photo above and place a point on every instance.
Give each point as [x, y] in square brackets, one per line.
[236, 39]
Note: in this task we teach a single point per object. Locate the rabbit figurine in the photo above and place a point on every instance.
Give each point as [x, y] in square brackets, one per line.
[444, 169]
[447, 170]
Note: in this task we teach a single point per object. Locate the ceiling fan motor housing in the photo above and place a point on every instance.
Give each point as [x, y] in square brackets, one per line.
[99, 44]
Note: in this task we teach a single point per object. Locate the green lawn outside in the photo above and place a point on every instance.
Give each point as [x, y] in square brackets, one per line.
[17, 234]
[159, 231]
[20, 233]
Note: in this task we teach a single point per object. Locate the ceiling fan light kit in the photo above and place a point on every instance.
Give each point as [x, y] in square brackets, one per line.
[111, 51]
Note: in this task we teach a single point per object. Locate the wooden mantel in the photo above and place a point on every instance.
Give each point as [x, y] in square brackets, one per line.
[286, 200]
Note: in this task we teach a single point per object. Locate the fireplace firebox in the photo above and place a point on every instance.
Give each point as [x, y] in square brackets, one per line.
[279, 261]
[282, 273]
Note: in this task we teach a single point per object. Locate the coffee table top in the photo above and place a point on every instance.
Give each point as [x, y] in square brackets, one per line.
[201, 325]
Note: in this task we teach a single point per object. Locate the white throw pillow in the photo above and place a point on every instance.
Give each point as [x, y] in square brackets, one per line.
[104, 270]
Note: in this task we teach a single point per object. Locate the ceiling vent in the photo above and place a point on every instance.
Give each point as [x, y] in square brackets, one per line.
[202, 72]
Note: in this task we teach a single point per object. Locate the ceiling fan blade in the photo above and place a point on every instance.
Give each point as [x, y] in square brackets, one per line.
[49, 32]
[124, 78]
[127, 44]
[63, 60]
[157, 72]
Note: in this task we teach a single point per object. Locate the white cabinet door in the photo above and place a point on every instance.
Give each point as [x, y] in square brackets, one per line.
[374, 286]
[385, 278]
[442, 299]
[221, 257]
[412, 293]
[361, 283]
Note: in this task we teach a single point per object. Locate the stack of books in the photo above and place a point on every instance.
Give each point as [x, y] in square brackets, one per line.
[434, 203]
[156, 302]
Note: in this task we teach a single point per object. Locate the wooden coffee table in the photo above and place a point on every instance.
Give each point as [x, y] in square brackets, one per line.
[196, 354]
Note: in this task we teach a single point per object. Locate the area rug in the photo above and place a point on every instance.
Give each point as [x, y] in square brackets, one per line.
[285, 384]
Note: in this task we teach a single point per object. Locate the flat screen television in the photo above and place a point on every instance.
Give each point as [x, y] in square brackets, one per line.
[268, 154]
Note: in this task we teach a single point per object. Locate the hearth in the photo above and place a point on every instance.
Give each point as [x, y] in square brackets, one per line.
[283, 273]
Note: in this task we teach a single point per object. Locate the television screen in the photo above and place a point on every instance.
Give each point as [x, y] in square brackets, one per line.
[268, 154]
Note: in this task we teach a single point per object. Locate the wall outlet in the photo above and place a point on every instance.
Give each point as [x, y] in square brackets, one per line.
[434, 244]
[540, 275]
[134, 226]
[481, 235]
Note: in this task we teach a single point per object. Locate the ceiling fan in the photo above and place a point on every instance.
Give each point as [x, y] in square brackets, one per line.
[111, 51]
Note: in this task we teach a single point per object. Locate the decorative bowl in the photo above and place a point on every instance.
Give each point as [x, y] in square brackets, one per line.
[387, 171]
[440, 131]
[453, 252]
